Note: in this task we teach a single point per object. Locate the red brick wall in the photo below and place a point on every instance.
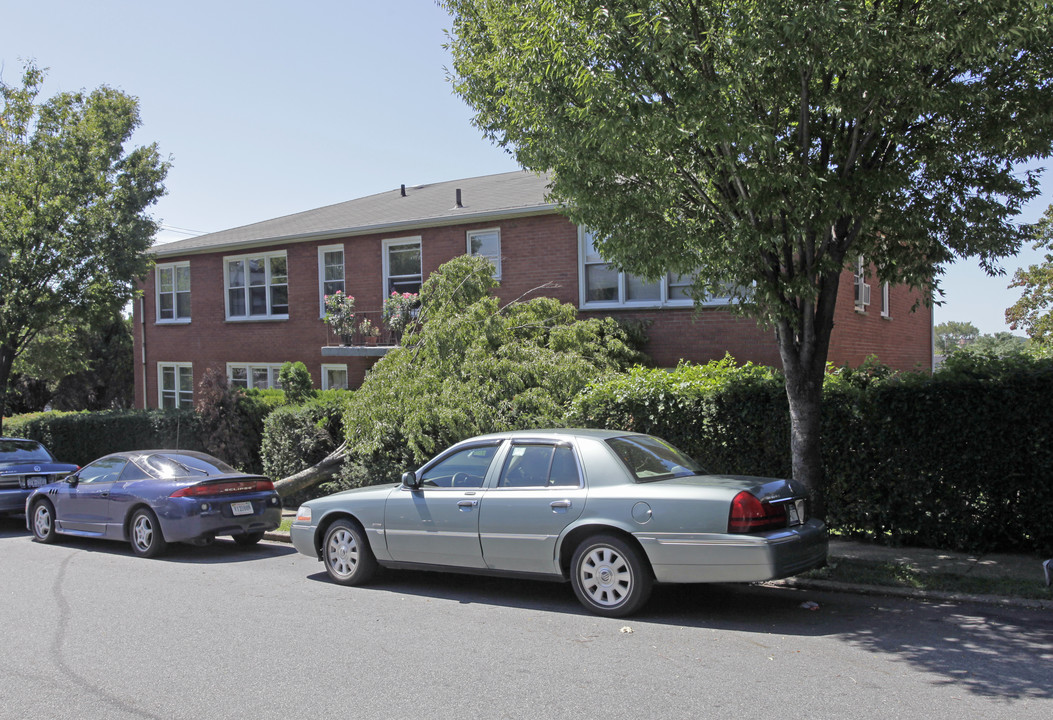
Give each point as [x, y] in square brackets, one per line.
[535, 251]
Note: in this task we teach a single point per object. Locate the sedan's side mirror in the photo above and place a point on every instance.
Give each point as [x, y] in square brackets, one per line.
[409, 480]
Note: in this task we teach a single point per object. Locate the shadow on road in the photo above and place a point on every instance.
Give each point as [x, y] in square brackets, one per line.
[985, 650]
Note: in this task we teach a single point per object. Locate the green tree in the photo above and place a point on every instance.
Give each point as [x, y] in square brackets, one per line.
[765, 144]
[1034, 310]
[296, 382]
[954, 334]
[74, 231]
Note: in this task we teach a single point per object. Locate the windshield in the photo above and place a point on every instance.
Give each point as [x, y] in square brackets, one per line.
[648, 458]
[18, 451]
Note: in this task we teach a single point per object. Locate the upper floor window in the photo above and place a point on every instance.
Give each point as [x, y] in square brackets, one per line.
[263, 376]
[487, 244]
[257, 286]
[173, 292]
[175, 385]
[886, 307]
[402, 266]
[602, 285]
[330, 273]
[862, 289]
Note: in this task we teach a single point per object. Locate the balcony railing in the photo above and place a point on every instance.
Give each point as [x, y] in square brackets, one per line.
[381, 337]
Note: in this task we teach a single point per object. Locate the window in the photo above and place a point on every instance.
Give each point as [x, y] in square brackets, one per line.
[330, 273]
[602, 285]
[257, 286]
[103, 470]
[862, 290]
[539, 466]
[173, 292]
[246, 375]
[463, 469]
[402, 266]
[487, 244]
[175, 385]
[886, 308]
[334, 377]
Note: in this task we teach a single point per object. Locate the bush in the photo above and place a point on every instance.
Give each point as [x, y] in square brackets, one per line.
[296, 437]
[296, 383]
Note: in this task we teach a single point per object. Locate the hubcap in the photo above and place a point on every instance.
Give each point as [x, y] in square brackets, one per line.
[605, 576]
[142, 532]
[342, 552]
[42, 521]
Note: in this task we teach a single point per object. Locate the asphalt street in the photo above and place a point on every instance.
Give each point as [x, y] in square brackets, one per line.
[90, 631]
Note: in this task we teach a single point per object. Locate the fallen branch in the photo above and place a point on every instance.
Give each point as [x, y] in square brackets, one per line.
[325, 469]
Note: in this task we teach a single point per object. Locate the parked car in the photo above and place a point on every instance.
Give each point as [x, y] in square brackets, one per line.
[612, 512]
[154, 497]
[25, 465]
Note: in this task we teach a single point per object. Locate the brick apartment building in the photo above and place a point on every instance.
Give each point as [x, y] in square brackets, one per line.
[248, 299]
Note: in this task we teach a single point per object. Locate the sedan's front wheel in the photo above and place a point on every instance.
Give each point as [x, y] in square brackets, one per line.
[348, 558]
[44, 522]
[610, 577]
[145, 532]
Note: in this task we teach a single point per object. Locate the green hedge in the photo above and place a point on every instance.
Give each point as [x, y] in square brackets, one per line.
[960, 460]
[298, 436]
[80, 437]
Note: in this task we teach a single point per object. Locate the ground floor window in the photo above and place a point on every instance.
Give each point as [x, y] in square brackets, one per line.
[175, 385]
[334, 377]
[262, 376]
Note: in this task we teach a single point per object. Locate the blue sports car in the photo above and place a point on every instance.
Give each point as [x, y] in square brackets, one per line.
[25, 465]
[154, 497]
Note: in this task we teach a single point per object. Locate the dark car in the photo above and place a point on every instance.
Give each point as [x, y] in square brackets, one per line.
[154, 497]
[24, 466]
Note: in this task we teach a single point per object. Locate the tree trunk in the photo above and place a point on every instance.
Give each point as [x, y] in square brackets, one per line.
[323, 470]
[7, 360]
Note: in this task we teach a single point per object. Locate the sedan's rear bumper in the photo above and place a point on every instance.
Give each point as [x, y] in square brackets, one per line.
[714, 557]
[13, 501]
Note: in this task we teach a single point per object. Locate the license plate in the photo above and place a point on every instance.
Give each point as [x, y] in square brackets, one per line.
[795, 516]
[241, 508]
[35, 481]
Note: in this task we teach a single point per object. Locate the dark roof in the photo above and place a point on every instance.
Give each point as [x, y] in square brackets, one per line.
[491, 196]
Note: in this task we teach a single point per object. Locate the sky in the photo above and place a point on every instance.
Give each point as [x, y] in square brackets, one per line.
[268, 108]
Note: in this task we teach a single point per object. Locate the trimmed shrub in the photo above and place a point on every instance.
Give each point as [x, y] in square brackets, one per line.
[296, 383]
[296, 437]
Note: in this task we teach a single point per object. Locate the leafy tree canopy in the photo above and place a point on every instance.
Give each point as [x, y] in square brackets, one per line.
[1034, 310]
[954, 334]
[73, 224]
[766, 144]
[472, 366]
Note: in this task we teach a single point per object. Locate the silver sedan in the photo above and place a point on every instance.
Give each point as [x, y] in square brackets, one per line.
[612, 512]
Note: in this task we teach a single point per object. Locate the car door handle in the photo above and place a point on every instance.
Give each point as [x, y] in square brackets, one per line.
[559, 504]
[104, 494]
[467, 503]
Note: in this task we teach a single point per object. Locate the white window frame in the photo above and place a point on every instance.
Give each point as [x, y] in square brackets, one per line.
[321, 274]
[174, 269]
[326, 369]
[268, 285]
[886, 301]
[860, 286]
[663, 301]
[386, 246]
[180, 399]
[272, 370]
[494, 259]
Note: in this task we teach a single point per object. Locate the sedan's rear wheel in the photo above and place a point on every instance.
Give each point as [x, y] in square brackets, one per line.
[145, 533]
[44, 522]
[348, 558]
[609, 576]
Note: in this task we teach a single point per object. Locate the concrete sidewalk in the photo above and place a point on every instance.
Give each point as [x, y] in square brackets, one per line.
[1026, 568]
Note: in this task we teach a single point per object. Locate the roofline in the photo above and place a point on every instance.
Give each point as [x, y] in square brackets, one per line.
[548, 208]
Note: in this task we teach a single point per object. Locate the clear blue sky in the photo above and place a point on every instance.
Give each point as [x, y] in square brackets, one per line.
[267, 108]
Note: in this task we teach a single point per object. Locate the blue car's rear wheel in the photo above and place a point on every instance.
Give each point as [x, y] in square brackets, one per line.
[346, 553]
[43, 515]
[609, 576]
[145, 534]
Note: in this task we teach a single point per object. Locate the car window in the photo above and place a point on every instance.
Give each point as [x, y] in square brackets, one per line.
[463, 469]
[100, 471]
[19, 451]
[540, 466]
[648, 458]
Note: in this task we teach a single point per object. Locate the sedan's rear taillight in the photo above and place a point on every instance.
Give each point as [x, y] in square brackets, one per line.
[211, 489]
[748, 514]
